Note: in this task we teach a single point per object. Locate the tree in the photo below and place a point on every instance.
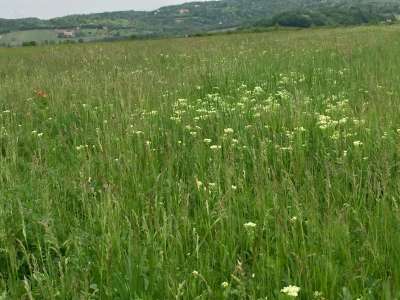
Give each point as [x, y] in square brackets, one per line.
[29, 44]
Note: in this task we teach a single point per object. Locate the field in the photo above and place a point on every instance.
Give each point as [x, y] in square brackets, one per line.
[49, 36]
[17, 38]
[225, 167]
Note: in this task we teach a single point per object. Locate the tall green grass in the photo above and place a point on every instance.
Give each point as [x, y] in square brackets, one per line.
[226, 167]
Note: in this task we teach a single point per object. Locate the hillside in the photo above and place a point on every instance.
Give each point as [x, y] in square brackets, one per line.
[200, 17]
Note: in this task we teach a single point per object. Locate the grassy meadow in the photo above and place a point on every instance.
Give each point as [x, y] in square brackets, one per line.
[19, 37]
[224, 167]
[50, 36]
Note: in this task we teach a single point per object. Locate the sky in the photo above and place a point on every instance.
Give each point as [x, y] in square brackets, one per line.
[46, 9]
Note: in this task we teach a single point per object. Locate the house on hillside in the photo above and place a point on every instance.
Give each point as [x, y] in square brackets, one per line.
[66, 33]
[184, 11]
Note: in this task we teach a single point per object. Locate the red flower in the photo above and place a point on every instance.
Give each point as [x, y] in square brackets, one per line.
[41, 94]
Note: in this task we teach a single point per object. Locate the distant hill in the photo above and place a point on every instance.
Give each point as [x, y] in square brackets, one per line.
[200, 17]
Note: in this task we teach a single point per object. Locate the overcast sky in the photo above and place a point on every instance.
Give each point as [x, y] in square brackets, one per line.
[55, 8]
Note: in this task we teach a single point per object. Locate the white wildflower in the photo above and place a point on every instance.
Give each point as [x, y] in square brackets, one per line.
[215, 147]
[228, 130]
[301, 129]
[249, 225]
[291, 290]
[198, 184]
[318, 294]
[258, 90]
